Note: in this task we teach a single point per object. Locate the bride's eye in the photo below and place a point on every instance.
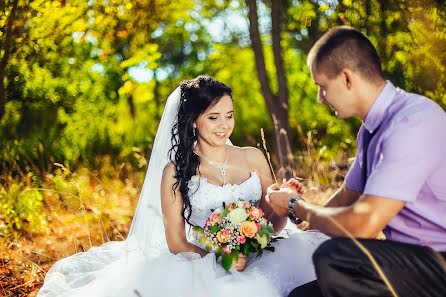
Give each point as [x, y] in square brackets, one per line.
[212, 118]
[230, 116]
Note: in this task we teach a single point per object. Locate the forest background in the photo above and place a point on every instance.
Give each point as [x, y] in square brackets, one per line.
[83, 86]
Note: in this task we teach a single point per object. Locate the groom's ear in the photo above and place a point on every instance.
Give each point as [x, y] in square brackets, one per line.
[347, 78]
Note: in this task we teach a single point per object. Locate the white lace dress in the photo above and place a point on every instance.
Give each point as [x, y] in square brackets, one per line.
[160, 273]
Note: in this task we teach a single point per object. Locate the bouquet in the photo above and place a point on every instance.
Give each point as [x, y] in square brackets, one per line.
[235, 228]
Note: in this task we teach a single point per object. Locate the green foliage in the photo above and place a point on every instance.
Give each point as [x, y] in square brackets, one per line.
[72, 96]
[21, 210]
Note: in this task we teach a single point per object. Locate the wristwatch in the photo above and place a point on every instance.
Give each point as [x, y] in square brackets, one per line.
[291, 210]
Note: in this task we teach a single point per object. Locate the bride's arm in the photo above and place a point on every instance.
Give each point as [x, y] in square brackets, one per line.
[258, 161]
[172, 205]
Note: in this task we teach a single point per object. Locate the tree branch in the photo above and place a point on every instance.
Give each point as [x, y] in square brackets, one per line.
[276, 13]
[256, 45]
[5, 58]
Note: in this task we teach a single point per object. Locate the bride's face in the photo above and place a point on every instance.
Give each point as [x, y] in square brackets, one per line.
[216, 124]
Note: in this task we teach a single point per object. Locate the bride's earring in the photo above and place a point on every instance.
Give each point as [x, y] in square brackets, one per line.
[194, 127]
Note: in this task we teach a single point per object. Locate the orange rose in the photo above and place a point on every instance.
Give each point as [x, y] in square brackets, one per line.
[256, 213]
[248, 229]
[221, 237]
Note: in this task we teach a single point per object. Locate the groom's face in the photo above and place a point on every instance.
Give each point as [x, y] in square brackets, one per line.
[336, 92]
[216, 124]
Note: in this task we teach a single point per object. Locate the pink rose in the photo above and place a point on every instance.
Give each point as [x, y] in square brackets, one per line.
[230, 207]
[214, 217]
[247, 205]
[258, 226]
[241, 239]
[208, 224]
[226, 232]
[256, 213]
[227, 250]
[221, 237]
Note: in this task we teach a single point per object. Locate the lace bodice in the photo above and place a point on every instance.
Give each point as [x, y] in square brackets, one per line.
[205, 196]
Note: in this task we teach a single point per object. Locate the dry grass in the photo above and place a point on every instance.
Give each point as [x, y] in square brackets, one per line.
[82, 210]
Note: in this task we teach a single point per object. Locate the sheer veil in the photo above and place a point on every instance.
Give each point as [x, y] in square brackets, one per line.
[81, 273]
[147, 229]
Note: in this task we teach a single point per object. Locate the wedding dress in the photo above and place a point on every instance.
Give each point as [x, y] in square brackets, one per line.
[142, 265]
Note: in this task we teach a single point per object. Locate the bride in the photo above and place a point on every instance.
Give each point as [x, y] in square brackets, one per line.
[193, 168]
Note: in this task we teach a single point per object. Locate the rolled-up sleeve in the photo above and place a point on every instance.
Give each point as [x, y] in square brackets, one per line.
[353, 180]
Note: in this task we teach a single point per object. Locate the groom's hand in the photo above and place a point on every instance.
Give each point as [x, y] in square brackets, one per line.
[278, 199]
[293, 184]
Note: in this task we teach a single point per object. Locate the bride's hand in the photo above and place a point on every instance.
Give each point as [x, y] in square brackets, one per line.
[240, 264]
[294, 185]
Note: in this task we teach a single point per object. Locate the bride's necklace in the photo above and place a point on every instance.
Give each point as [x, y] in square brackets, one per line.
[221, 167]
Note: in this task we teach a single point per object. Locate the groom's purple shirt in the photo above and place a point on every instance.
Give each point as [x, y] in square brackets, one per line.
[407, 162]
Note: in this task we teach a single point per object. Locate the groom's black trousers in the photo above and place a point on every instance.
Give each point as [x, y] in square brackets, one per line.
[343, 269]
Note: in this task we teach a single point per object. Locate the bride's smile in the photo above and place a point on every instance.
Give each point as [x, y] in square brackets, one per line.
[216, 124]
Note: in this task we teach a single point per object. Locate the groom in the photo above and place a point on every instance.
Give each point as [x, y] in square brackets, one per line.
[397, 182]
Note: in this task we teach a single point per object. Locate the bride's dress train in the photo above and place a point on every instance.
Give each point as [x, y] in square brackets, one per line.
[142, 266]
[157, 272]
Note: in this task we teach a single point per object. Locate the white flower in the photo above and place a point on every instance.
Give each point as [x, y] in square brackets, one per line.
[237, 216]
[240, 203]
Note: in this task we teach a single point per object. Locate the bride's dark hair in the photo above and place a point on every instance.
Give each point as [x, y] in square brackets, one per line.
[197, 95]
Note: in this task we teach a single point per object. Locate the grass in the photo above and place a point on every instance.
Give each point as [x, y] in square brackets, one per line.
[89, 207]
[81, 209]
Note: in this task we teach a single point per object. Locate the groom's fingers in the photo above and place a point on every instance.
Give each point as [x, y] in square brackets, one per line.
[272, 188]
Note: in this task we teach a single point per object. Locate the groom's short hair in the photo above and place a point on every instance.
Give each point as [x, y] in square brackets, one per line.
[345, 47]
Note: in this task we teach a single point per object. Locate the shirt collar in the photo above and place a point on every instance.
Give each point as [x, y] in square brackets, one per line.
[376, 113]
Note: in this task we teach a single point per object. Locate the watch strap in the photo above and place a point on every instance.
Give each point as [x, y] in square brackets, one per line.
[291, 214]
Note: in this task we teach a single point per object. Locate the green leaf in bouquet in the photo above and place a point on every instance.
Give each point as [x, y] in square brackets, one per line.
[224, 213]
[254, 244]
[202, 240]
[259, 253]
[234, 254]
[246, 249]
[208, 247]
[268, 228]
[198, 229]
[219, 252]
[215, 229]
[226, 261]
[270, 248]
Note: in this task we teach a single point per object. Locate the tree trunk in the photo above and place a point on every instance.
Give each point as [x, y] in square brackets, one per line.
[4, 61]
[277, 105]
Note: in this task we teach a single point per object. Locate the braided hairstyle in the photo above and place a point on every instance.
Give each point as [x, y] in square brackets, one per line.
[197, 95]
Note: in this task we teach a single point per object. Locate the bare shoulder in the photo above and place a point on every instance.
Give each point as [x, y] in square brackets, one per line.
[255, 157]
[252, 152]
[169, 173]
